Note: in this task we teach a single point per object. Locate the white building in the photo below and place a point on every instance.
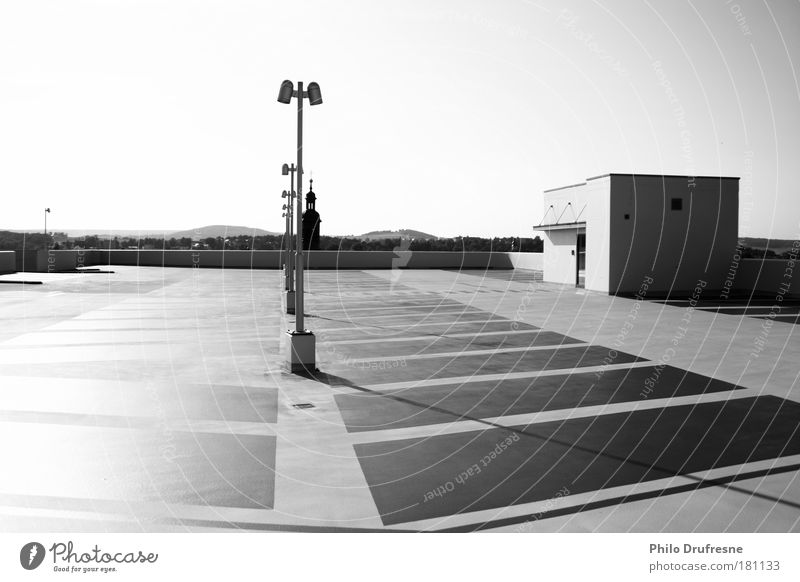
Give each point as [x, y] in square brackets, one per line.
[616, 231]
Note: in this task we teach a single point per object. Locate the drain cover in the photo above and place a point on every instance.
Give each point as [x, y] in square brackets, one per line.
[303, 405]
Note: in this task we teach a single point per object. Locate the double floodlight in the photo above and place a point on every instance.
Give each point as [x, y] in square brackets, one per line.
[285, 94]
[314, 94]
[287, 91]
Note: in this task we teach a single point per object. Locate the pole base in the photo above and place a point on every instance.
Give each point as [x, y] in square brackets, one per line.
[302, 351]
[290, 302]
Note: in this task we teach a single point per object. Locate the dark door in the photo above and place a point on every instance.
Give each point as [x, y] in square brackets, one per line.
[580, 275]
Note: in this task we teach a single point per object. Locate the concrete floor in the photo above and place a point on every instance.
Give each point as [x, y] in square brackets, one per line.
[153, 399]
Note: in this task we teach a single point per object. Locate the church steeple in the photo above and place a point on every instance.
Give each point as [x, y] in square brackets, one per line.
[311, 198]
[311, 220]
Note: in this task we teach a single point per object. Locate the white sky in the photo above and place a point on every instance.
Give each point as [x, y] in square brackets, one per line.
[449, 117]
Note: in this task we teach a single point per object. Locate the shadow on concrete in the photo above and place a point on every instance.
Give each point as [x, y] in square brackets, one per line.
[529, 432]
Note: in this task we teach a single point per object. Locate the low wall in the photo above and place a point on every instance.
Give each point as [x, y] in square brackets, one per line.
[8, 262]
[48, 261]
[176, 258]
[406, 260]
[26, 260]
[44, 261]
[768, 277]
[314, 259]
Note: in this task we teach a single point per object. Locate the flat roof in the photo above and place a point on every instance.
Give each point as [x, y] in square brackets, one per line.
[565, 187]
[661, 176]
[560, 225]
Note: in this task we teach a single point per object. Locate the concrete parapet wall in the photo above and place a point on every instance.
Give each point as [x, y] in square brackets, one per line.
[768, 277]
[54, 261]
[236, 259]
[8, 262]
[406, 260]
[26, 260]
[187, 258]
[48, 261]
[66, 260]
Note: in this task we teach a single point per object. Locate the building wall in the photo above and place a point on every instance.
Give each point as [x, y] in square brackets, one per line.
[527, 261]
[587, 202]
[559, 258]
[675, 248]
[559, 245]
[598, 235]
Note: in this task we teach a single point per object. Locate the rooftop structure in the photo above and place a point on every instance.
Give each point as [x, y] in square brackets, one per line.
[615, 232]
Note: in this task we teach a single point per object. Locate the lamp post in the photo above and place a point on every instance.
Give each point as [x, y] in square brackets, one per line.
[46, 241]
[290, 295]
[302, 351]
[287, 237]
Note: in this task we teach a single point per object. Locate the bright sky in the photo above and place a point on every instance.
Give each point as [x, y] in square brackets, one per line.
[449, 117]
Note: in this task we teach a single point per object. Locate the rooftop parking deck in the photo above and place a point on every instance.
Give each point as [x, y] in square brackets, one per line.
[157, 399]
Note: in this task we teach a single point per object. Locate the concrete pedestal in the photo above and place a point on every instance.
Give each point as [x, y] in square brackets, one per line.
[302, 351]
[290, 302]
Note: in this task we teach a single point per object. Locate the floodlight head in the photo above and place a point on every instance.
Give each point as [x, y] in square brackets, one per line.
[284, 194]
[284, 207]
[285, 169]
[285, 93]
[314, 95]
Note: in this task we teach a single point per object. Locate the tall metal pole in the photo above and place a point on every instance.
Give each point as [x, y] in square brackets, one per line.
[291, 230]
[287, 272]
[298, 296]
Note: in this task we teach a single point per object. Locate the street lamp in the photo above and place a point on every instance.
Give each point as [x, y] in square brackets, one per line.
[46, 240]
[302, 351]
[287, 263]
[290, 296]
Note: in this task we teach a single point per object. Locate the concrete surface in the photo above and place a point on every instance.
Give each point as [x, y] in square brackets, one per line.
[157, 399]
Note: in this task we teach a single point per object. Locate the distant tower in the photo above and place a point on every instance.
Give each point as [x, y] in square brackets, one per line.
[311, 221]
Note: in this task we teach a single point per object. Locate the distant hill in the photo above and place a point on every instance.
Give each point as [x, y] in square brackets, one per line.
[212, 231]
[222, 230]
[107, 234]
[403, 233]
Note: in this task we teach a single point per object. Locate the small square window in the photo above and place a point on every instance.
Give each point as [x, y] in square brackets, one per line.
[627, 217]
[677, 203]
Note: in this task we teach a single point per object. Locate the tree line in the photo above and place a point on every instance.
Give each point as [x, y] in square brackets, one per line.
[11, 241]
[20, 241]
